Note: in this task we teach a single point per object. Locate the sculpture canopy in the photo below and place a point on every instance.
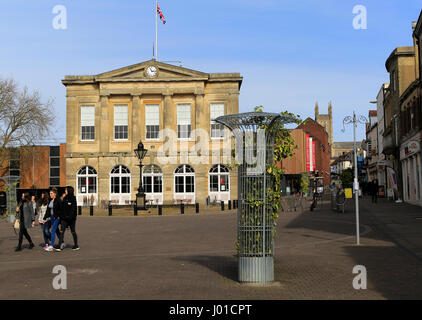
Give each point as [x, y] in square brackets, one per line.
[252, 121]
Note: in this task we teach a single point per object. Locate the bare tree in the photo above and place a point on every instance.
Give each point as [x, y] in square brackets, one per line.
[24, 118]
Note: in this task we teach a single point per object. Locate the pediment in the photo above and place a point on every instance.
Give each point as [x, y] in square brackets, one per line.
[165, 72]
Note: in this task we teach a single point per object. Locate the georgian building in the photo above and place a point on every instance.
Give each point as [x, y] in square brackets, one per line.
[401, 67]
[372, 144]
[411, 125]
[170, 109]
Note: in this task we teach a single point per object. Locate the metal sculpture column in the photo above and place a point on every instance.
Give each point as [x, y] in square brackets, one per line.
[11, 182]
[255, 133]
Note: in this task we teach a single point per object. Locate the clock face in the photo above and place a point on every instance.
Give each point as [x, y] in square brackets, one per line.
[152, 71]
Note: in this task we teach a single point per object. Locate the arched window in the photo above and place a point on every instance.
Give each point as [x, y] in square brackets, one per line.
[219, 178]
[153, 179]
[120, 180]
[184, 179]
[87, 180]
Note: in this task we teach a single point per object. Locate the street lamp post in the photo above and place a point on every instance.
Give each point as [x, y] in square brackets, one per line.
[140, 152]
[348, 120]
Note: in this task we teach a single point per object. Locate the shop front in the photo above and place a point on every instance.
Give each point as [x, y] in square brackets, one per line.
[410, 157]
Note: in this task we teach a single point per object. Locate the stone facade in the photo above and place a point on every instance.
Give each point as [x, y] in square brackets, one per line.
[411, 126]
[401, 67]
[147, 83]
[372, 157]
[340, 148]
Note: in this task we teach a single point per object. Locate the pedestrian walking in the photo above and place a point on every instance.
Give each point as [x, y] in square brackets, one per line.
[68, 218]
[34, 204]
[42, 220]
[374, 191]
[314, 197]
[26, 220]
[54, 213]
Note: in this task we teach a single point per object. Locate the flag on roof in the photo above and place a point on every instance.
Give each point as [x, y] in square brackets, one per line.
[159, 12]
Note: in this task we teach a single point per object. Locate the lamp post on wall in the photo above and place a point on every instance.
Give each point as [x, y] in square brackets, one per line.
[140, 152]
[348, 120]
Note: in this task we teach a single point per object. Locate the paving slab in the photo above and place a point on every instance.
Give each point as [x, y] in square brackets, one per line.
[193, 256]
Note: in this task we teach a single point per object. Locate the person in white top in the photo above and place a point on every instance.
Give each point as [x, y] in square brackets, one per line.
[44, 223]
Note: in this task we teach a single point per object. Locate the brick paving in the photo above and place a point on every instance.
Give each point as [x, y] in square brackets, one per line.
[192, 256]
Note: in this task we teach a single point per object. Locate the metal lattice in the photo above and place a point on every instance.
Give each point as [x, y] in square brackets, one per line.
[255, 133]
[11, 195]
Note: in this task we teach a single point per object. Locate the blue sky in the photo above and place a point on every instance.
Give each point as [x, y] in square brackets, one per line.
[290, 53]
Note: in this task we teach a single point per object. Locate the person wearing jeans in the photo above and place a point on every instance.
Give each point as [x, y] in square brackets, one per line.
[44, 223]
[54, 213]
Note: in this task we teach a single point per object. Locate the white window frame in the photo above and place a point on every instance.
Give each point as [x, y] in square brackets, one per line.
[114, 121]
[85, 120]
[180, 119]
[79, 196]
[155, 197]
[213, 116]
[184, 196]
[122, 197]
[148, 106]
[120, 175]
[217, 194]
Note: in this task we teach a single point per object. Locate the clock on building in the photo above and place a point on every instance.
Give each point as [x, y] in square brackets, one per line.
[152, 71]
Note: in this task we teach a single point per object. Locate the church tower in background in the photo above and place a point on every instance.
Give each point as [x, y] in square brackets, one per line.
[326, 120]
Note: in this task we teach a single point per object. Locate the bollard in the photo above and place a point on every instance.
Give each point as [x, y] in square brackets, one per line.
[91, 210]
[197, 207]
[222, 205]
[160, 210]
[230, 205]
[79, 210]
[182, 208]
[235, 204]
[135, 210]
[110, 209]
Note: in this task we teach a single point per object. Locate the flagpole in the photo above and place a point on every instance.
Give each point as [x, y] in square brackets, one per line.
[156, 30]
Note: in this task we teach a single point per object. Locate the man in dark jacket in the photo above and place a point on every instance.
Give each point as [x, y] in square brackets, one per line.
[374, 190]
[68, 218]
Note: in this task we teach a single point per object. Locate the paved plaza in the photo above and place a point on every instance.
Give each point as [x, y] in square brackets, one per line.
[193, 256]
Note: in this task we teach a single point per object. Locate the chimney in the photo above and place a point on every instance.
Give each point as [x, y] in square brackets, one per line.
[316, 111]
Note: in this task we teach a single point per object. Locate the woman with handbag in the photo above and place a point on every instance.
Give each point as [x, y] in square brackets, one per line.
[44, 222]
[26, 220]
